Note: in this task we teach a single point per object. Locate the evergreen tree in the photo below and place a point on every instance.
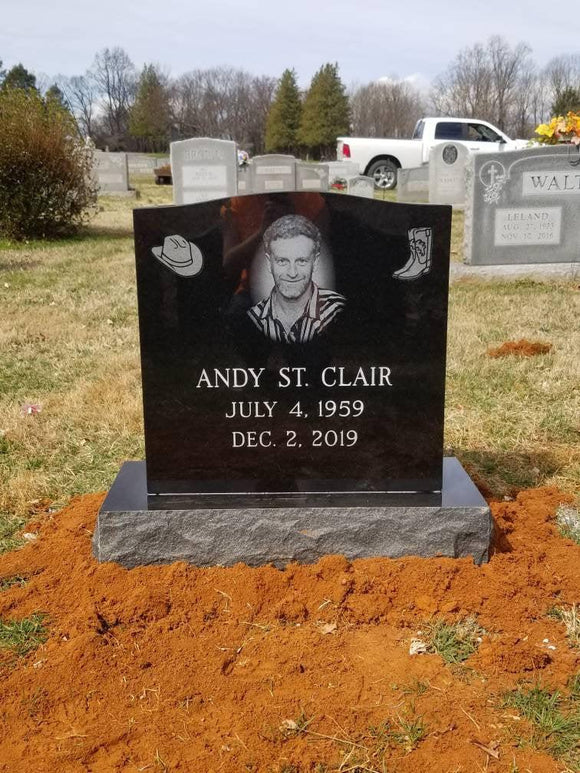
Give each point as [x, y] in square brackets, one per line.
[325, 114]
[568, 100]
[19, 78]
[284, 116]
[149, 117]
[55, 95]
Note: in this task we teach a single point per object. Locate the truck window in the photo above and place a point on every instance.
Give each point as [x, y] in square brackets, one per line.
[479, 132]
[418, 132]
[449, 130]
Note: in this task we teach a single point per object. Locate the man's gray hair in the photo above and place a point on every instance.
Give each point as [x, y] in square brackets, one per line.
[289, 226]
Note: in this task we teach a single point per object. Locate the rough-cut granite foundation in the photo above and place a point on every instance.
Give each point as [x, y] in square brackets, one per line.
[130, 533]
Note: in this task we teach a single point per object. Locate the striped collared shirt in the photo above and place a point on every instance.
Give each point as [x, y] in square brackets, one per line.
[322, 308]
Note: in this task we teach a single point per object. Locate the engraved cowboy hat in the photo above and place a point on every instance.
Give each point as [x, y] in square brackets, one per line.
[182, 257]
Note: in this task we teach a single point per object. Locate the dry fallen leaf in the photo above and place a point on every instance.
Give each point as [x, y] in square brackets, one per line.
[491, 748]
[328, 628]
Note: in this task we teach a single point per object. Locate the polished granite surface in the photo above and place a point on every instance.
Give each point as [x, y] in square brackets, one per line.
[233, 407]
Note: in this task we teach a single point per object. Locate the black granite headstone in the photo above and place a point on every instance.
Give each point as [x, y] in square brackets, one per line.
[350, 400]
[293, 354]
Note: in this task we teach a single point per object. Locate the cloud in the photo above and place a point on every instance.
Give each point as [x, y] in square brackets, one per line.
[417, 80]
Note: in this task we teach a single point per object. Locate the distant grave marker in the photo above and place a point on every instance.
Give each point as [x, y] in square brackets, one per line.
[413, 184]
[244, 178]
[273, 173]
[339, 173]
[311, 177]
[203, 169]
[361, 186]
[111, 172]
[447, 163]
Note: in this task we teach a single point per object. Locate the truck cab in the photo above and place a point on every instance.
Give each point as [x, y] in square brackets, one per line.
[470, 132]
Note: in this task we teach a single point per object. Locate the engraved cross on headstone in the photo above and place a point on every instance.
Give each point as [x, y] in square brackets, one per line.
[493, 173]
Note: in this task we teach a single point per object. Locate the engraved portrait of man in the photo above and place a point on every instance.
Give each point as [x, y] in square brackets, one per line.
[297, 310]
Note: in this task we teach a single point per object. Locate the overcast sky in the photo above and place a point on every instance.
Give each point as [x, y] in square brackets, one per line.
[369, 40]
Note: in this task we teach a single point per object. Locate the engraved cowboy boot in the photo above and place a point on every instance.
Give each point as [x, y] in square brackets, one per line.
[420, 261]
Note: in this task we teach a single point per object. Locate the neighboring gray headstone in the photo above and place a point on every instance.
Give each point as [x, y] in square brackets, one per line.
[203, 169]
[141, 163]
[339, 173]
[111, 172]
[413, 184]
[447, 162]
[523, 206]
[273, 173]
[361, 186]
[244, 178]
[311, 177]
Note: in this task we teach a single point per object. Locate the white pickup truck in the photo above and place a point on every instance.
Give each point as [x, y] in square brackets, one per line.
[381, 158]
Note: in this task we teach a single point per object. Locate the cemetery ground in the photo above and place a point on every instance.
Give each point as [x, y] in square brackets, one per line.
[372, 665]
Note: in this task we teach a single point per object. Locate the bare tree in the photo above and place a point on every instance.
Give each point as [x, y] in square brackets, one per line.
[563, 72]
[488, 82]
[508, 66]
[263, 90]
[386, 108]
[222, 102]
[115, 78]
[81, 94]
[186, 104]
[465, 88]
[530, 104]
[562, 76]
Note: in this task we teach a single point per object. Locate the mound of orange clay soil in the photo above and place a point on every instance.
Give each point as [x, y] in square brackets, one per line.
[177, 668]
[521, 348]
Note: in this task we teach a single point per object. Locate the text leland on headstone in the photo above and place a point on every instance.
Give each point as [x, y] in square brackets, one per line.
[528, 225]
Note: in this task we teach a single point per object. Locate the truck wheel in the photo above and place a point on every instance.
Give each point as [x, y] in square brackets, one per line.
[384, 173]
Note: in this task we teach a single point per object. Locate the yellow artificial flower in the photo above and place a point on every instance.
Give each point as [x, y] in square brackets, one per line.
[560, 128]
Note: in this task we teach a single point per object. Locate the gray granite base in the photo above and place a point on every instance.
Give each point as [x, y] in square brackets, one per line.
[538, 271]
[130, 534]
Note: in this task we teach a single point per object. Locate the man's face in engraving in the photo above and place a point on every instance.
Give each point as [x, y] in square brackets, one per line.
[292, 262]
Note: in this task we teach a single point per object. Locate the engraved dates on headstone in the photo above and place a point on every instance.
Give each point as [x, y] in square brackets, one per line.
[527, 226]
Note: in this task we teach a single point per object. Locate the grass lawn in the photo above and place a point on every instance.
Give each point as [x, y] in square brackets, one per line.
[70, 402]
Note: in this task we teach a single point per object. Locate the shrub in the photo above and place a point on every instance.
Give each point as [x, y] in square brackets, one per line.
[46, 183]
